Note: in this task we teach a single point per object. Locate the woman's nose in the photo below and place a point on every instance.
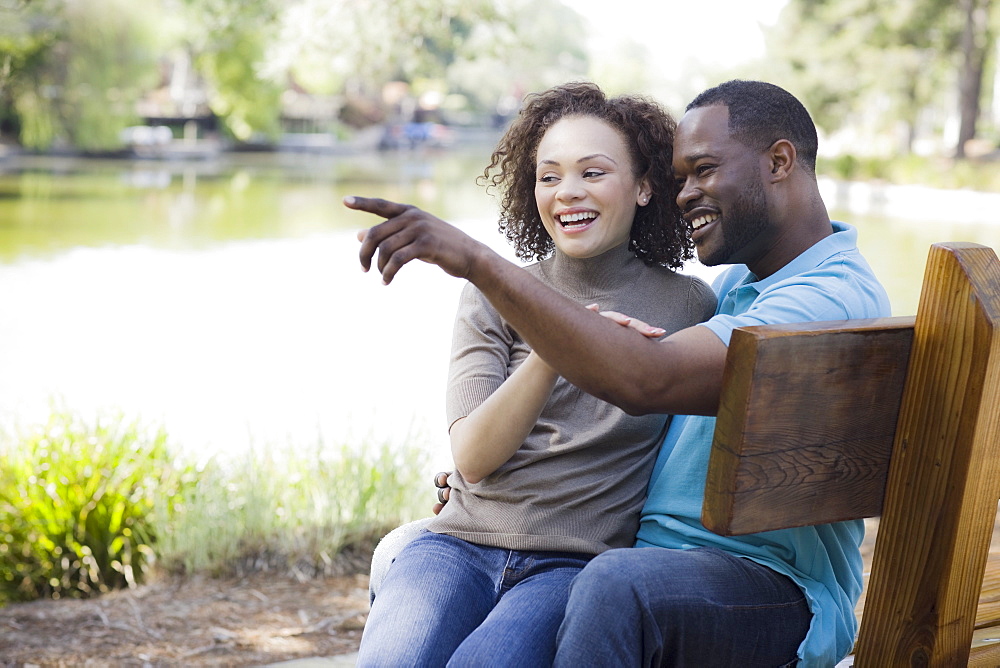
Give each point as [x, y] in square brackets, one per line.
[569, 190]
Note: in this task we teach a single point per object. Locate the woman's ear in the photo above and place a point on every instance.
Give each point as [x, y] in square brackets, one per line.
[645, 193]
[782, 156]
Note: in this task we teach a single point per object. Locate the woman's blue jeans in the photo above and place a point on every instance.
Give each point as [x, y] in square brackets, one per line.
[446, 601]
[651, 606]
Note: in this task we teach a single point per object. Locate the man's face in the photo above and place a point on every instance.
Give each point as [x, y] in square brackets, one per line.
[720, 189]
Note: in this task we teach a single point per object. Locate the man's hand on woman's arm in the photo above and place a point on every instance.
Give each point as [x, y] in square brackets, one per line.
[443, 490]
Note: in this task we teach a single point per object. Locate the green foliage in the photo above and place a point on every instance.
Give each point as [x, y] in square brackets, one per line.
[247, 104]
[28, 34]
[229, 40]
[479, 49]
[934, 172]
[72, 71]
[78, 504]
[111, 62]
[888, 69]
[370, 42]
[38, 119]
[86, 507]
[540, 43]
[293, 509]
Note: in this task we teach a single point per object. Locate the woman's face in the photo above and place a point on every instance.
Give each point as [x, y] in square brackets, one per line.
[584, 188]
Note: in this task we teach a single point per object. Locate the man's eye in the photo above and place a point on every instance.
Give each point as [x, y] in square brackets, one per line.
[703, 169]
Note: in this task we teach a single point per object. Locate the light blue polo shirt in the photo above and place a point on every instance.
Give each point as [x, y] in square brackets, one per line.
[829, 281]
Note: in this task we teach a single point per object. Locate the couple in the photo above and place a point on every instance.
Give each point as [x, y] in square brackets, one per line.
[509, 566]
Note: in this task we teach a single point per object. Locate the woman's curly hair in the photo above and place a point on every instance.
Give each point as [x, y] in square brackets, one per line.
[659, 235]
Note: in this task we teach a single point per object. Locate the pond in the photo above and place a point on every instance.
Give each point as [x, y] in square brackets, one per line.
[224, 298]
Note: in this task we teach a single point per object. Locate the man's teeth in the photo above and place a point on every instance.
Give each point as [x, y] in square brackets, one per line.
[577, 217]
[698, 222]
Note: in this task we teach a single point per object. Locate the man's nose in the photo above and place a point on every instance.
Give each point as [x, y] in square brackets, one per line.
[687, 194]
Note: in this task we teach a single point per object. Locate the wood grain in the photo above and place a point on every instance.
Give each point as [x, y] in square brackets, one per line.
[941, 495]
[806, 424]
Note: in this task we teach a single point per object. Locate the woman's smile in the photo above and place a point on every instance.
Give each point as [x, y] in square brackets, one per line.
[586, 189]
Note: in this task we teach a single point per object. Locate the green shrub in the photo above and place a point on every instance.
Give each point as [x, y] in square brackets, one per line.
[89, 507]
[77, 506]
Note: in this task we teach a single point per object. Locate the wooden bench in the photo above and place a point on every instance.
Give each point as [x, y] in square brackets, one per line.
[892, 417]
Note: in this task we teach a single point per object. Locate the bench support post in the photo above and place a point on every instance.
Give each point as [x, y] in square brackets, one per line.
[944, 476]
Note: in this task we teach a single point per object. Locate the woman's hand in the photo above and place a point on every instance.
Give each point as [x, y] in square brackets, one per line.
[625, 321]
[490, 435]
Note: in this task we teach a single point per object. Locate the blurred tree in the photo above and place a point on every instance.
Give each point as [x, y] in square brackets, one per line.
[480, 49]
[884, 65]
[73, 69]
[976, 42]
[228, 40]
[539, 44]
[27, 35]
[106, 63]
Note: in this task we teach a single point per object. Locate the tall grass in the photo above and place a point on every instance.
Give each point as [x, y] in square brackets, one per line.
[294, 510]
[88, 506]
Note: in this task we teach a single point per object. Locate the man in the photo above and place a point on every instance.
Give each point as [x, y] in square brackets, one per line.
[744, 159]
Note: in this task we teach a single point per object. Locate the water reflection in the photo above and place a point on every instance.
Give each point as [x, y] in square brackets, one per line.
[52, 205]
[225, 298]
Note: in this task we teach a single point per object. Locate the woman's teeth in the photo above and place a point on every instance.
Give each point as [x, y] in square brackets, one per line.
[577, 217]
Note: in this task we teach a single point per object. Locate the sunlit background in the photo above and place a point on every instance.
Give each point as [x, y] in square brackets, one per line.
[172, 243]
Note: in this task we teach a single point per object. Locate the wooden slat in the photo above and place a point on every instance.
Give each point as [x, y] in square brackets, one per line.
[986, 637]
[792, 447]
[944, 477]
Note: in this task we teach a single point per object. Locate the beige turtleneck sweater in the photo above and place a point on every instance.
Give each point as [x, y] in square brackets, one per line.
[578, 482]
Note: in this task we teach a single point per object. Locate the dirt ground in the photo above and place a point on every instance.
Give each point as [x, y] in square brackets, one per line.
[256, 620]
[176, 621]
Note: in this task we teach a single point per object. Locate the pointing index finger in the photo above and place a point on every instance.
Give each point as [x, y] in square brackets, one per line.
[380, 207]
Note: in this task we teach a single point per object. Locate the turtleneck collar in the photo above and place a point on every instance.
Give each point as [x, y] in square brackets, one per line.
[591, 276]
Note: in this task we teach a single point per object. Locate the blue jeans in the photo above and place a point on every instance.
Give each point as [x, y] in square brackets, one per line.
[651, 606]
[446, 601]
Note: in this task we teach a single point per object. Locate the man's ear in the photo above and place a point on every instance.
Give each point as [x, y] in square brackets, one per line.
[782, 156]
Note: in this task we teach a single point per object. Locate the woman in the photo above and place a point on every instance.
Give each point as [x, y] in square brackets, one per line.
[547, 476]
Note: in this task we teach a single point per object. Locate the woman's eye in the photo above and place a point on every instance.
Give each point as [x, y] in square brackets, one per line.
[546, 178]
[591, 173]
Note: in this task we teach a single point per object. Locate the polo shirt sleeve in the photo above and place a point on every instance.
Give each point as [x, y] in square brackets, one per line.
[822, 294]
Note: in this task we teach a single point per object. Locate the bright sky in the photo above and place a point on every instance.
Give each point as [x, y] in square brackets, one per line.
[681, 36]
[722, 31]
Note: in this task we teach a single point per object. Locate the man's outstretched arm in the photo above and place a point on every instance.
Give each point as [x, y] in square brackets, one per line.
[681, 374]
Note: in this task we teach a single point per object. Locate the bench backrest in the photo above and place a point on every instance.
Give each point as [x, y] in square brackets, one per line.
[898, 417]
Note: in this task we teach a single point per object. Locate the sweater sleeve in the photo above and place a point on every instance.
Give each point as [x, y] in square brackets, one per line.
[480, 354]
[702, 300]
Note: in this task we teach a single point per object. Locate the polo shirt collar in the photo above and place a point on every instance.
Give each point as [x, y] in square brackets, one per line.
[844, 239]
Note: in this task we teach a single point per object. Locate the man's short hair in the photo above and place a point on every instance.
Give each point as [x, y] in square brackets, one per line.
[761, 113]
